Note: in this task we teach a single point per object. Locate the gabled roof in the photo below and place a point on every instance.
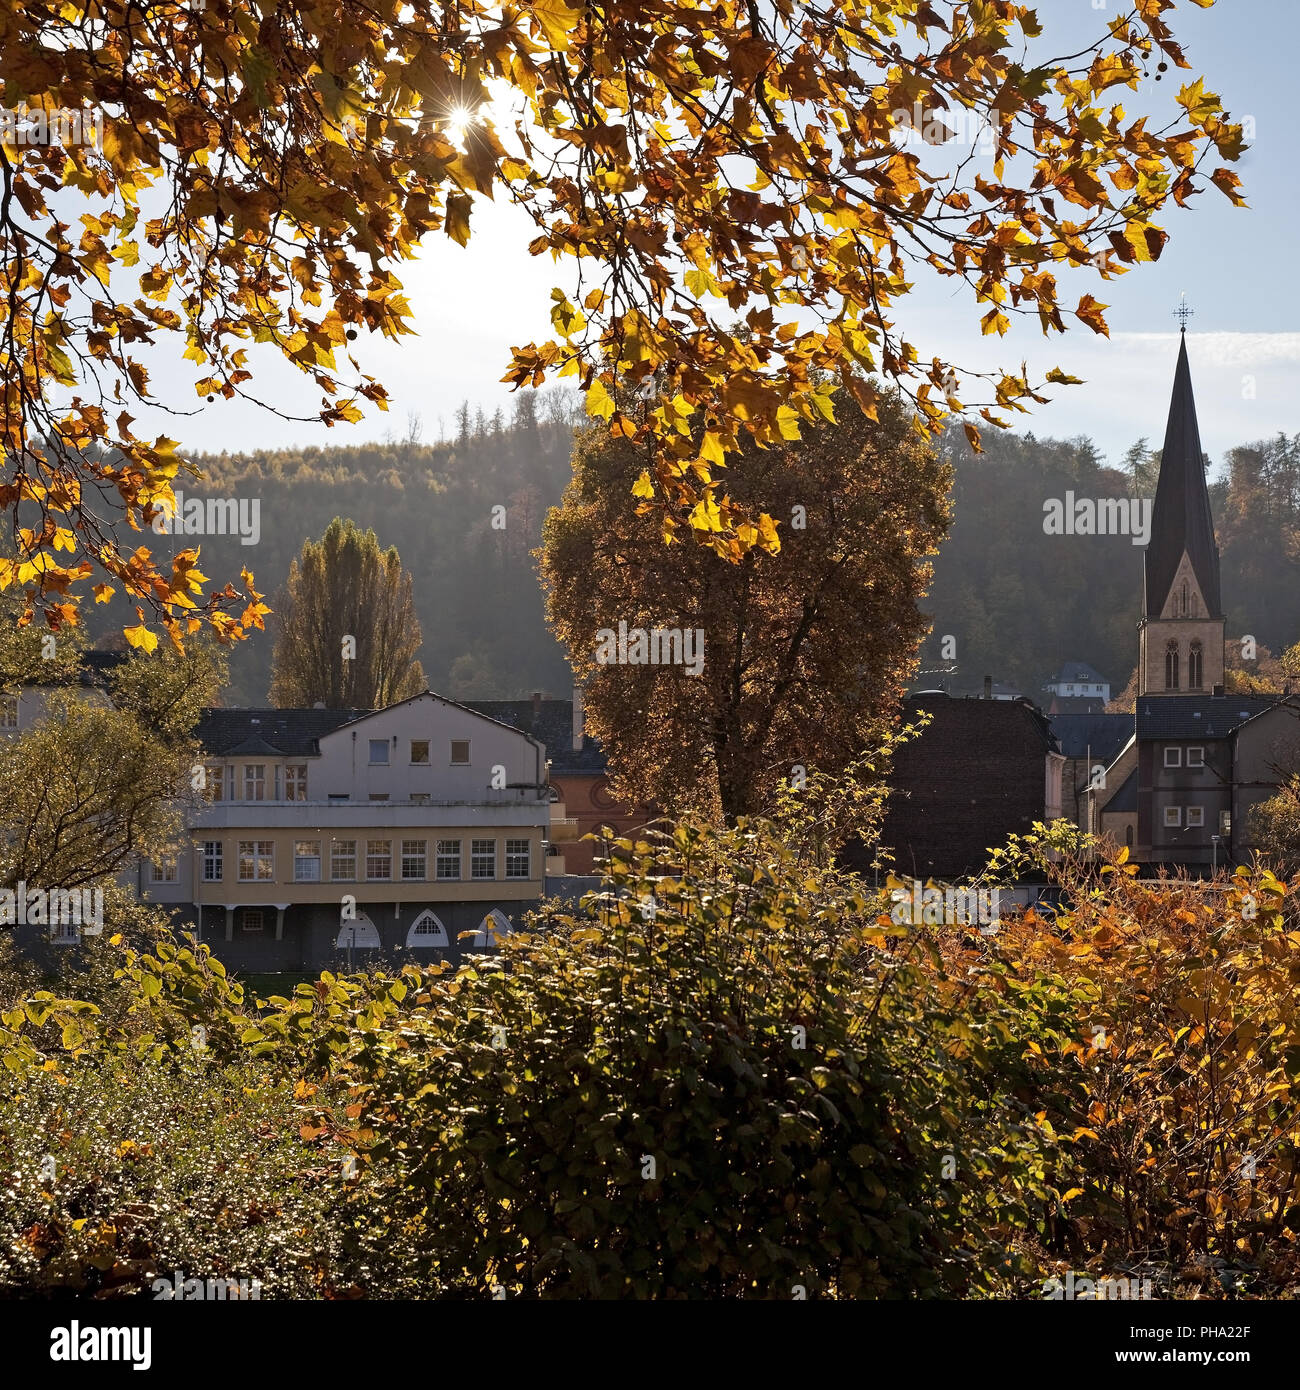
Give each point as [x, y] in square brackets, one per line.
[1196, 716]
[983, 722]
[1104, 734]
[297, 732]
[275, 732]
[1078, 672]
[1126, 799]
[1291, 702]
[1181, 521]
[551, 722]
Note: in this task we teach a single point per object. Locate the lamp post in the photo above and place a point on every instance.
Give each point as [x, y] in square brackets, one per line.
[1214, 855]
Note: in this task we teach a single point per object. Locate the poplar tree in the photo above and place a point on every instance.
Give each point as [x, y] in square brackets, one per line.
[346, 628]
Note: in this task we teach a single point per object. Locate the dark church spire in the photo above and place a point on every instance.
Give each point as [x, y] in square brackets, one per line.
[1181, 522]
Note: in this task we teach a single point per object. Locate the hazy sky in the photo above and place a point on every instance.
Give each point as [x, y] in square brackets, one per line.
[1236, 265]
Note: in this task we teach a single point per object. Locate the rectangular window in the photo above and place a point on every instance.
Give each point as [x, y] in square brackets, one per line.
[415, 859]
[9, 712]
[459, 752]
[1196, 757]
[448, 858]
[420, 751]
[256, 861]
[214, 781]
[379, 859]
[518, 859]
[343, 861]
[419, 798]
[213, 861]
[1173, 815]
[1173, 757]
[163, 873]
[1195, 815]
[251, 919]
[306, 861]
[379, 796]
[254, 781]
[482, 858]
[295, 782]
[339, 796]
[378, 752]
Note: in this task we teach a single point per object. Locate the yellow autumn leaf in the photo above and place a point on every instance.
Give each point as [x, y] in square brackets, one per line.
[767, 537]
[556, 20]
[599, 402]
[141, 637]
[643, 487]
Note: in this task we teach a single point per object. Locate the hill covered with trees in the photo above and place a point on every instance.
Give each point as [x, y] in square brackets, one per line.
[466, 515]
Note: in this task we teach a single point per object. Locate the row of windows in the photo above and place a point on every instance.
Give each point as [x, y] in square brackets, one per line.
[255, 861]
[1195, 666]
[427, 930]
[1195, 757]
[263, 782]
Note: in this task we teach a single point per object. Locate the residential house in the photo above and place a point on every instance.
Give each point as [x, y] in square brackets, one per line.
[326, 834]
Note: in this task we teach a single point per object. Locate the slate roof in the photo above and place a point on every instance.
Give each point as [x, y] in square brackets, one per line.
[1181, 519]
[1106, 734]
[1075, 704]
[1126, 799]
[275, 732]
[1196, 716]
[552, 724]
[1077, 672]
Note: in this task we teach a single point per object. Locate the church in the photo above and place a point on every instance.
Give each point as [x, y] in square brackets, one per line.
[1199, 760]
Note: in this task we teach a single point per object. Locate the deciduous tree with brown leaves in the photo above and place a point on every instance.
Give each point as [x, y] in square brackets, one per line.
[807, 642]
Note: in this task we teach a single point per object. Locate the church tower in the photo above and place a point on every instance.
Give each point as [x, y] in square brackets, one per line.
[1182, 615]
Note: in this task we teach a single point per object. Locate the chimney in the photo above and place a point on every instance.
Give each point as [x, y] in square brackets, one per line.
[1218, 690]
[537, 706]
[579, 720]
[988, 687]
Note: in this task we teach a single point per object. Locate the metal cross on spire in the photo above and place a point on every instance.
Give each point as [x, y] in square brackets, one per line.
[1183, 313]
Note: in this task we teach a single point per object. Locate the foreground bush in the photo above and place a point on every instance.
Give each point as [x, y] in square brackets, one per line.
[729, 1074]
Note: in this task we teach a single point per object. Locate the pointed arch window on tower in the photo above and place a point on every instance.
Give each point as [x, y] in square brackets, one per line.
[1194, 667]
[1182, 601]
[1171, 666]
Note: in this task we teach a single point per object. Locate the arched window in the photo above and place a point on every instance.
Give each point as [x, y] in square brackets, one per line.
[492, 928]
[366, 937]
[427, 931]
[1194, 667]
[1171, 666]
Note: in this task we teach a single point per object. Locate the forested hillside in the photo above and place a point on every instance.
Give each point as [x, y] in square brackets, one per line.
[1017, 601]
[475, 584]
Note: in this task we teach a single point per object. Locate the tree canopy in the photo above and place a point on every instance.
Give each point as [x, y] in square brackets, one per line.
[346, 630]
[805, 651]
[264, 169]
